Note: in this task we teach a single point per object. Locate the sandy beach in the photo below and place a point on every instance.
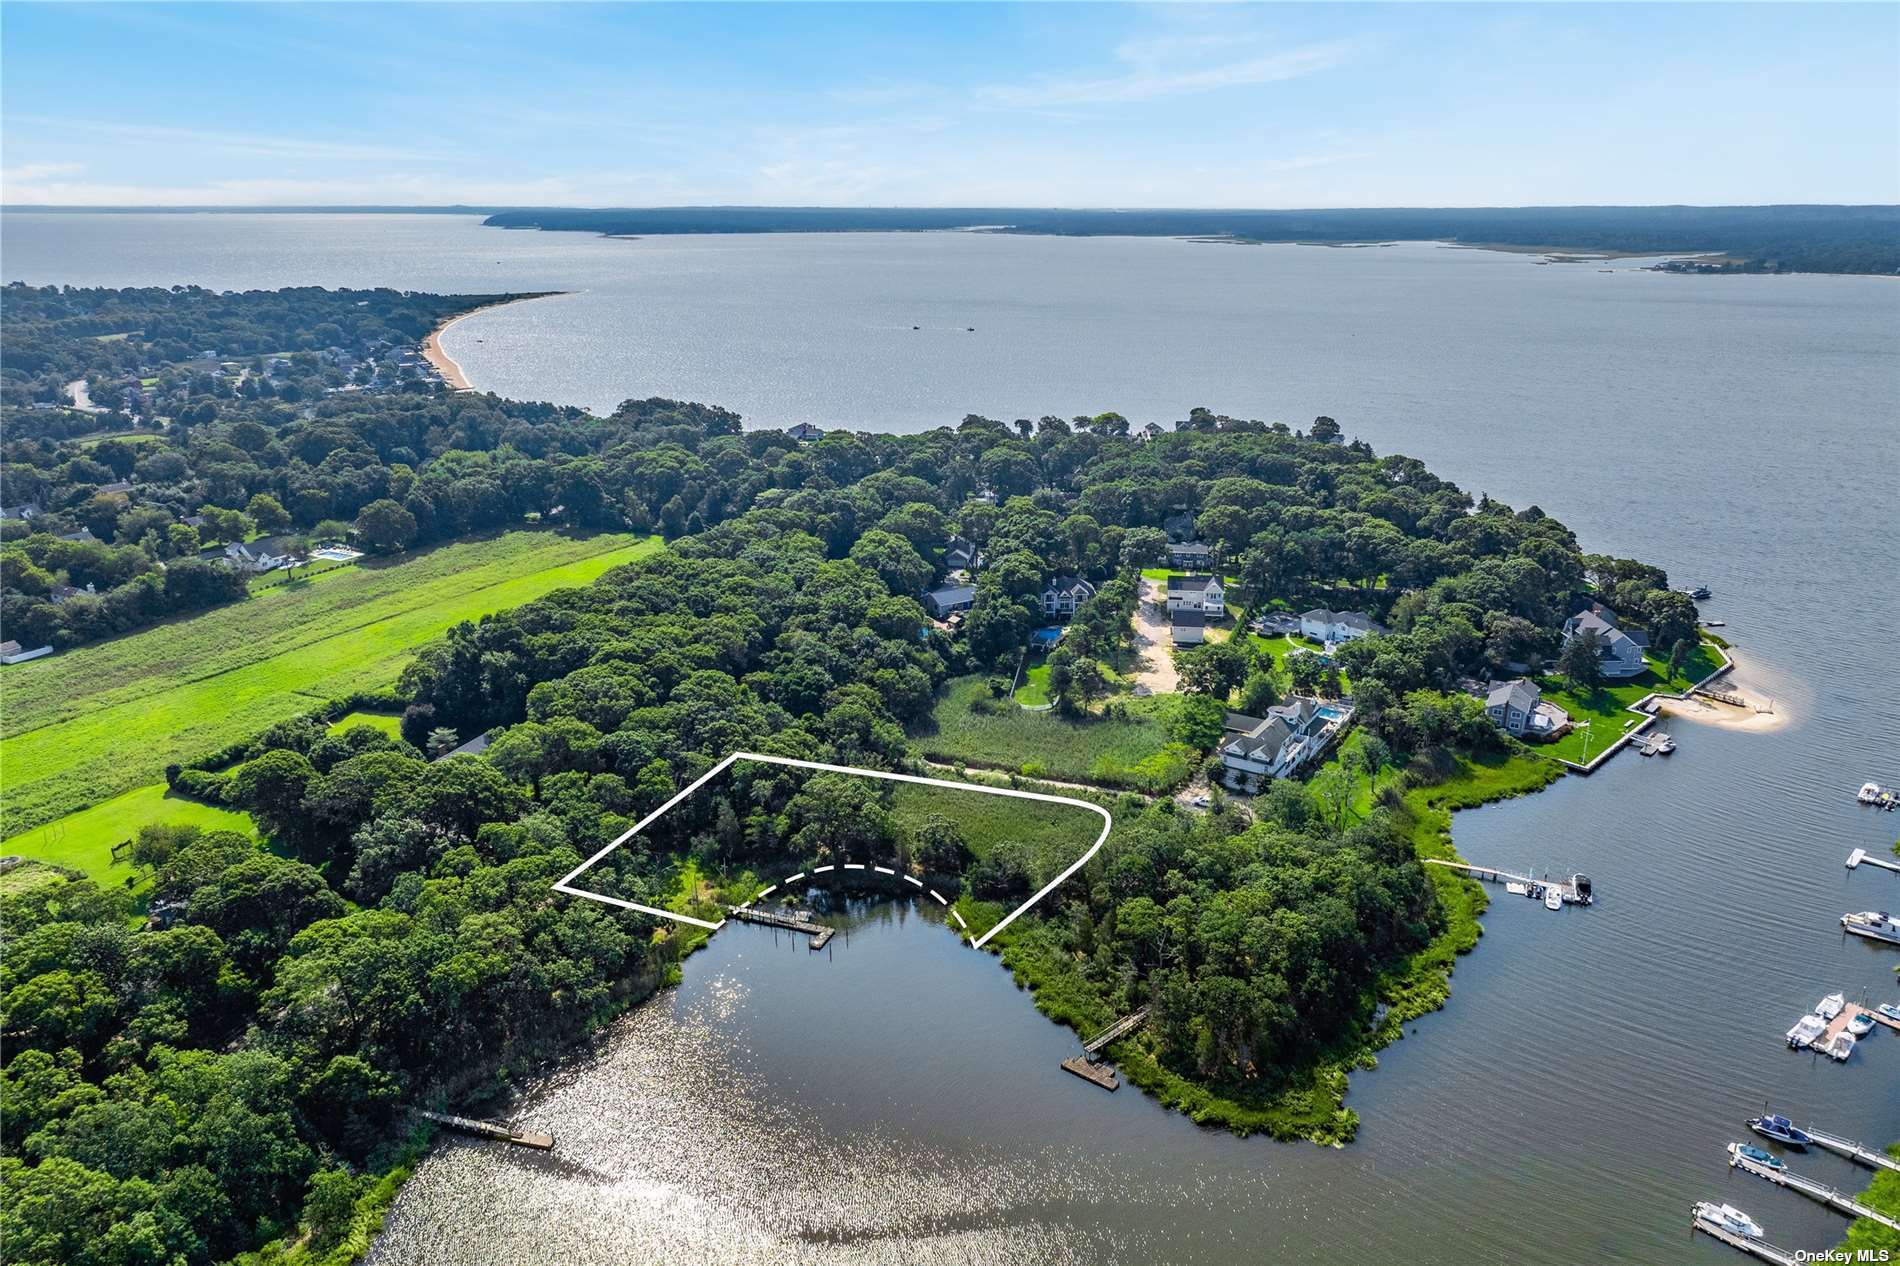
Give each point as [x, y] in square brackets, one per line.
[1765, 696]
[445, 364]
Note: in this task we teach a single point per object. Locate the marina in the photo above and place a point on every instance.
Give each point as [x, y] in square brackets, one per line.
[1747, 1159]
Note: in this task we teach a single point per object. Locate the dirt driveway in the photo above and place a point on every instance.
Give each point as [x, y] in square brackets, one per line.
[1154, 654]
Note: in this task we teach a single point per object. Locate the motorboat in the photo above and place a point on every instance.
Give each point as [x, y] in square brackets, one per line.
[1553, 897]
[1586, 893]
[1780, 1129]
[1838, 1047]
[1830, 1006]
[1869, 793]
[1728, 1218]
[1516, 889]
[1755, 1155]
[1875, 925]
[1699, 592]
[1861, 1024]
[1889, 1010]
[1805, 1031]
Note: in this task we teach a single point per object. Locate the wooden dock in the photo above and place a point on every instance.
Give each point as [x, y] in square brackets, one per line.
[1090, 1071]
[1861, 857]
[820, 933]
[1854, 1151]
[489, 1130]
[1839, 1201]
[1492, 875]
[1755, 1248]
[1116, 1031]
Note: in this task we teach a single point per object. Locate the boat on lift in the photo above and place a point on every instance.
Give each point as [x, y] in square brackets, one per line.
[1838, 1048]
[1728, 1218]
[1780, 1129]
[1755, 1155]
[1830, 1006]
[1875, 925]
[1553, 897]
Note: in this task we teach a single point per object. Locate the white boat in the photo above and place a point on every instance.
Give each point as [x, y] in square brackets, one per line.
[1553, 897]
[1875, 925]
[1839, 1047]
[1889, 1010]
[1869, 792]
[1729, 1218]
[1861, 1024]
[1517, 890]
[1830, 1006]
[1805, 1031]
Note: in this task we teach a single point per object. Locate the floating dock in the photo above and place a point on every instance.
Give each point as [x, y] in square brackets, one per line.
[1090, 1071]
[1652, 744]
[1755, 1248]
[1861, 856]
[1854, 1151]
[489, 1130]
[820, 933]
[1839, 1201]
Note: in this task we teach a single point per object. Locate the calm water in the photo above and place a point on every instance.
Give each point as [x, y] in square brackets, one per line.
[899, 1098]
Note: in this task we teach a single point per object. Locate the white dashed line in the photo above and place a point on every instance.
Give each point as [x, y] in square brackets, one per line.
[959, 919]
[883, 870]
[768, 892]
[939, 897]
[822, 870]
[854, 865]
[915, 883]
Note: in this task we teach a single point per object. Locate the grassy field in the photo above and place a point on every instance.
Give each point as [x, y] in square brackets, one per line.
[84, 840]
[388, 723]
[1034, 692]
[83, 726]
[967, 726]
[1056, 832]
[1607, 708]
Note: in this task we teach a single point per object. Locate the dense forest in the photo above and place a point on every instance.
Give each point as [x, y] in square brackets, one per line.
[1816, 239]
[230, 1060]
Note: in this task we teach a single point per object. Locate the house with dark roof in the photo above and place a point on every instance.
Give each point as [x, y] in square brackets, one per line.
[962, 555]
[122, 486]
[1064, 594]
[949, 598]
[1191, 556]
[1279, 745]
[1204, 594]
[84, 536]
[806, 433]
[1187, 628]
[1619, 656]
[24, 511]
[1517, 708]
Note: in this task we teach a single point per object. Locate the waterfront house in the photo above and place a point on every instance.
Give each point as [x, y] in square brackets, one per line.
[806, 433]
[1064, 594]
[1187, 628]
[1511, 704]
[1281, 744]
[1337, 626]
[1191, 556]
[943, 601]
[1619, 655]
[1197, 593]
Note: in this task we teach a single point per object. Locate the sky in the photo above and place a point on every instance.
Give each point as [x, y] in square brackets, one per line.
[1077, 105]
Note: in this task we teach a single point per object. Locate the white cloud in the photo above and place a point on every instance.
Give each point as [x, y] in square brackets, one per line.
[22, 186]
[1172, 66]
[47, 130]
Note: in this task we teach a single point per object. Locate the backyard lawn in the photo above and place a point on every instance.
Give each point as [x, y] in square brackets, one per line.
[1602, 716]
[1034, 692]
[968, 725]
[387, 722]
[84, 840]
[89, 724]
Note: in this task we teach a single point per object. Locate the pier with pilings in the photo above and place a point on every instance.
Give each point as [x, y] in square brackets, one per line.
[799, 921]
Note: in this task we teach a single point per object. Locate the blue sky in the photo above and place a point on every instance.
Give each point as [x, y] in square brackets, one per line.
[928, 104]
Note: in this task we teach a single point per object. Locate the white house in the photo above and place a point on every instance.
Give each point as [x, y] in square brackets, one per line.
[266, 553]
[1064, 594]
[1187, 628]
[1337, 626]
[1619, 655]
[1197, 593]
[1279, 744]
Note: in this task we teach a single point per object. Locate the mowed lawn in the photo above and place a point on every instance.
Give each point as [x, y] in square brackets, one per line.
[968, 726]
[84, 840]
[83, 726]
[1603, 715]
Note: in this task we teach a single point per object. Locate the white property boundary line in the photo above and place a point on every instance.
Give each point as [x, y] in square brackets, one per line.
[566, 884]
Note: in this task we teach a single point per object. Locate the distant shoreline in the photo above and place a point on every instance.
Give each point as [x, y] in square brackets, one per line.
[447, 365]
